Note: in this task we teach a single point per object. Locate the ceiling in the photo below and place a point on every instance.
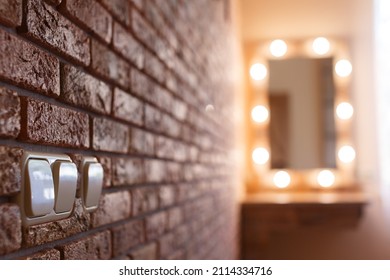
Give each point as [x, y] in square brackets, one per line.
[266, 19]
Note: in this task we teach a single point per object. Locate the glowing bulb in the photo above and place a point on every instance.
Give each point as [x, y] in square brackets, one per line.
[325, 178]
[282, 179]
[258, 71]
[343, 68]
[260, 155]
[344, 110]
[259, 114]
[346, 154]
[278, 48]
[321, 45]
[209, 108]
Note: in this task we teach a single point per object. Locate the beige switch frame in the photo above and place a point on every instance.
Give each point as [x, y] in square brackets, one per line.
[21, 199]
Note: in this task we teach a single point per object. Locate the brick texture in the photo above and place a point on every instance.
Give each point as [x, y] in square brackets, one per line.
[27, 66]
[11, 12]
[45, 25]
[55, 125]
[9, 113]
[10, 228]
[127, 82]
[83, 90]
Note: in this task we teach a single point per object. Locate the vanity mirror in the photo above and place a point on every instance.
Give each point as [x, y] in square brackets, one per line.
[300, 114]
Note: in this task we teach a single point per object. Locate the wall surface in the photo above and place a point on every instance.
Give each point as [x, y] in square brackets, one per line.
[127, 82]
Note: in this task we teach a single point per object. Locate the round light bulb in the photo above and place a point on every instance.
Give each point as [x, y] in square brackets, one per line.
[281, 179]
[325, 178]
[346, 154]
[278, 48]
[258, 71]
[260, 155]
[259, 114]
[321, 46]
[344, 110]
[343, 68]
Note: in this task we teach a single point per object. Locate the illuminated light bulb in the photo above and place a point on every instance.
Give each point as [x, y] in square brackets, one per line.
[325, 178]
[278, 48]
[344, 110]
[346, 154]
[321, 46]
[258, 71]
[282, 179]
[343, 68]
[260, 114]
[260, 155]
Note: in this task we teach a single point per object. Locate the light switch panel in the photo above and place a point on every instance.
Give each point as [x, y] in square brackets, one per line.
[39, 195]
[65, 184]
[48, 187]
[92, 183]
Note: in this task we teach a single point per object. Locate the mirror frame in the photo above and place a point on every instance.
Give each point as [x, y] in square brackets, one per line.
[261, 176]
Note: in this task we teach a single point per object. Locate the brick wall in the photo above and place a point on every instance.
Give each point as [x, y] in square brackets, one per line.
[127, 82]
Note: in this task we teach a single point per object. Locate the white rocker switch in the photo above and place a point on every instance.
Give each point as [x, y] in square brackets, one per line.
[39, 195]
[92, 185]
[65, 184]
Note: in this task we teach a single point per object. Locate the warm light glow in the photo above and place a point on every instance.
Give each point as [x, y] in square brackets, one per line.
[346, 154]
[321, 46]
[260, 155]
[259, 114]
[344, 111]
[278, 48]
[343, 68]
[258, 71]
[281, 179]
[325, 178]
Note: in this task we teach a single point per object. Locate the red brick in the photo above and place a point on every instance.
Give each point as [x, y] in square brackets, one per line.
[167, 245]
[10, 170]
[167, 195]
[127, 171]
[78, 222]
[126, 236]
[27, 66]
[141, 142]
[95, 247]
[83, 90]
[128, 108]
[145, 199]
[147, 252]
[45, 25]
[9, 113]
[130, 48]
[90, 15]
[112, 207]
[51, 254]
[156, 170]
[175, 217]
[10, 228]
[153, 118]
[106, 63]
[180, 110]
[120, 9]
[141, 84]
[50, 124]
[154, 67]
[156, 225]
[142, 29]
[11, 12]
[106, 164]
[110, 136]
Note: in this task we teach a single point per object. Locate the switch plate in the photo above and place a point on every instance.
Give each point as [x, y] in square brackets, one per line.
[92, 183]
[33, 210]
